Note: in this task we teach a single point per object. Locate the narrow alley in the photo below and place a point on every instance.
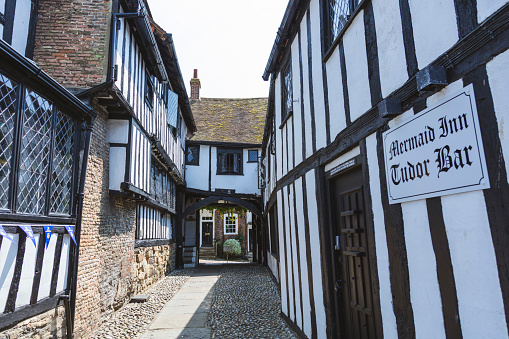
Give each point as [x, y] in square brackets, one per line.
[213, 301]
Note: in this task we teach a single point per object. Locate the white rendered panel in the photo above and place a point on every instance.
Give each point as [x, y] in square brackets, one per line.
[480, 304]
[337, 116]
[47, 268]
[284, 145]
[118, 131]
[305, 77]
[342, 158]
[485, 8]
[356, 61]
[304, 277]
[289, 252]
[297, 102]
[27, 272]
[382, 252]
[198, 176]
[282, 252]
[391, 50]
[295, 253]
[422, 269]
[498, 74]
[318, 89]
[314, 239]
[290, 143]
[8, 253]
[435, 28]
[117, 167]
[63, 270]
[272, 263]
[21, 25]
[277, 112]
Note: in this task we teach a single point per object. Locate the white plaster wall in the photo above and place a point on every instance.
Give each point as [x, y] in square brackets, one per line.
[342, 158]
[356, 60]
[485, 8]
[301, 230]
[391, 50]
[382, 252]
[118, 131]
[295, 269]
[289, 126]
[47, 268]
[272, 263]
[63, 270]
[289, 252]
[117, 167]
[8, 253]
[316, 53]
[435, 28]
[277, 112]
[480, 304]
[297, 102]
[314, 239]
[247, 183]
[21, 25]
[198, 176]
[305, 77]
[2, 6]
[284, 145]
[27, 272]
[498, 74]
[282, 252]
[337, 116]
[422, 268]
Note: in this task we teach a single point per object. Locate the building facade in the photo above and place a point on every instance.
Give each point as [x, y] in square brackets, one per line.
[385, 168]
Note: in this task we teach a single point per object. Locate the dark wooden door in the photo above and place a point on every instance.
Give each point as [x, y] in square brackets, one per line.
[206, 229]
[352, 272]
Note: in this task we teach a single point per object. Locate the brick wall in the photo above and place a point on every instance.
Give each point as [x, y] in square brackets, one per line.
[72, 40]
[242, 229]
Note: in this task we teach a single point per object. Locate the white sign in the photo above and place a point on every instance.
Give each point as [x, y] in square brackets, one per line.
[437, 152]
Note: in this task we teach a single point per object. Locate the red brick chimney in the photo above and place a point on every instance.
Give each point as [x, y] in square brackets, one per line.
[195, 86]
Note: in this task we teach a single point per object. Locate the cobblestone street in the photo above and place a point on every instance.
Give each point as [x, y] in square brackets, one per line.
[213, 301]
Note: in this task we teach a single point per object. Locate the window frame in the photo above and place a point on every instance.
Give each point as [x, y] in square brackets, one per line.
[286, 90]
[194, 162]
[220, 152]
[236, 223]
[149, 90]
[248, 155]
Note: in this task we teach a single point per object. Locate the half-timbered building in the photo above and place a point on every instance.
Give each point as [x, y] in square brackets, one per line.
[222, 168]
[112, 56]
[44, 140]
[386, 199]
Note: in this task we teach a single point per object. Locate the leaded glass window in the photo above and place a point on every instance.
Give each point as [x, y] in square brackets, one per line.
[287, 92]
[162, 185]
[252, 155]
[193, 155]
[338, 15]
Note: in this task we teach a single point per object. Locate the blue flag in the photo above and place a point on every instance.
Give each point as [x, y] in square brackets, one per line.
[4, 234]
[29, 233]
[70, 230]
[48, 230]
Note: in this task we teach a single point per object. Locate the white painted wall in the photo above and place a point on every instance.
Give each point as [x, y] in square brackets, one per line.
[487, 7]
[247, 183]
[356, 61]
[282, 253]
[198, 176]
[21, 25]
[391, 50]
[290, 252]
[297, 102]
[27, 272]
[118, 131]
[295, 256]
[435, 28]
[337, 116]
[305, 76]
[277, 112]
[272, 263]
[498, 74]
[8, 253]
[343, 158]
[63, 270]
[117, 167]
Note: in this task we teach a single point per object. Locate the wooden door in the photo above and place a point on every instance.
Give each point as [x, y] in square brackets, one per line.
[352, 272]
[206, 228]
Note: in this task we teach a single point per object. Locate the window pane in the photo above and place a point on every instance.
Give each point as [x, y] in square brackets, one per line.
[338, 15]
[35, 147]
[252, 156]
[7, 110]
[287, 91]
[61, 184]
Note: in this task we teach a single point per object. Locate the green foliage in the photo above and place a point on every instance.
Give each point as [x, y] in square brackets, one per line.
[224, 210]
[240, 238]
[235, 247]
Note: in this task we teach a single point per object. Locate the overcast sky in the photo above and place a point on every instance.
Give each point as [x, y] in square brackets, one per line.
[228, 41]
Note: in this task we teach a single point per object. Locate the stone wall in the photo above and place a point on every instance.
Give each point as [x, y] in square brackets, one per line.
[152, 263]
[50, 324]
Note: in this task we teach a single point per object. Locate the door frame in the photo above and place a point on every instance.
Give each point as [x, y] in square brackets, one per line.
[324, 180]
[213, 228]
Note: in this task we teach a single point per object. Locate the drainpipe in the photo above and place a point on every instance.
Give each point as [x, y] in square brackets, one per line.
[72, 282]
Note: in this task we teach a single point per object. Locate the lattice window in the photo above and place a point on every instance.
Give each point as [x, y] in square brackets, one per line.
[287, 91]
[152, 224]
[338, 13]
[8, 90]
[252, 155]
[230, 223]
[162, 186]
[193, 155]
[62, 171]
[35, 154]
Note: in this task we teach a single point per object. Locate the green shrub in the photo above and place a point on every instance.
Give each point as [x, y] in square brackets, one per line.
[235, 247]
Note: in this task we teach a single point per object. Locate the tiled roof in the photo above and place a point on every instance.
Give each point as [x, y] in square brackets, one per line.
[229, 120]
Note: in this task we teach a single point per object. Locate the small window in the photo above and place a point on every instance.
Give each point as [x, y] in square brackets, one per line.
[193, 155]
[287, 99]
[231, 222]
[229, 162]
[252, 155]
[338, 13]
[149, 91]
